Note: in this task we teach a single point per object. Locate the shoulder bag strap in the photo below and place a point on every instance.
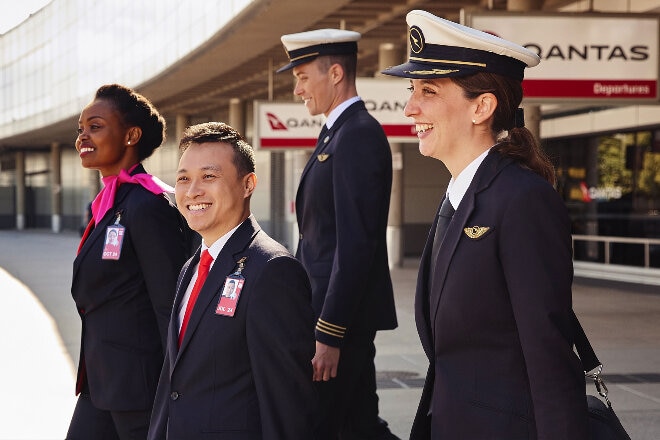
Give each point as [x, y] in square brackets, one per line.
[583, 346]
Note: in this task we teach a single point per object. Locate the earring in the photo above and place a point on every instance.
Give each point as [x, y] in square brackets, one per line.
[129, 142]
[474, 121]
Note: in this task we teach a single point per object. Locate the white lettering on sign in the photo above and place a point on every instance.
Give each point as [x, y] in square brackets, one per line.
[621, 89]
[605, 192]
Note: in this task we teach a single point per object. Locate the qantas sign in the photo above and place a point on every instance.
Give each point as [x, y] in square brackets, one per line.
[287, 125]
[604, 58]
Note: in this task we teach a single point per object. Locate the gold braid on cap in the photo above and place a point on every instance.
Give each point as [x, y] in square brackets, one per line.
[307, 55]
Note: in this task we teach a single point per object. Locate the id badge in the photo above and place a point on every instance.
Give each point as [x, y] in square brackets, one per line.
[231, 292]
[114, 237]
[229, 296]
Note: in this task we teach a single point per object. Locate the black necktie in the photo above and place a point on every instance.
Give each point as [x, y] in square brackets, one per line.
[324, 131]
[445, 214]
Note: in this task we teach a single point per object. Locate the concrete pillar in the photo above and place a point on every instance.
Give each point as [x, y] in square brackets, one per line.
[93, 188]
[182, 122]
[56, 187]
[532, 112]
[533, 120]
[390, 55]
[20, 190]
[237, 115]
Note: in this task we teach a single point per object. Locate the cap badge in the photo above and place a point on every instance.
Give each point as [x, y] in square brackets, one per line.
[416, 39]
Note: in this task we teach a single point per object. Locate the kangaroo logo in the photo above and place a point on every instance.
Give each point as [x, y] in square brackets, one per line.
[275, 123]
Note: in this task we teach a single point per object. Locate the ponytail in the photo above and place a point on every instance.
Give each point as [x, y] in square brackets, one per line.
[519, 143]
[521, 146]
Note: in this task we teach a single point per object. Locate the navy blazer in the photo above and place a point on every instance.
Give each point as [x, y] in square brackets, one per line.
[125, 304]
[495, 322]
[342, 206]
[246, 377]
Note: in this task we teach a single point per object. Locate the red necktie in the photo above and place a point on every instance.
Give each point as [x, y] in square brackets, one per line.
[202, 271]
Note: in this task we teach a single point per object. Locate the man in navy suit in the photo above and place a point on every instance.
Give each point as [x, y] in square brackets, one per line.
[238, 365]
[342, 206]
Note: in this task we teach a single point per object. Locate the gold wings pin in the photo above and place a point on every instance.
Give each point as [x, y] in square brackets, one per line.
[322, 157]
[476, 231]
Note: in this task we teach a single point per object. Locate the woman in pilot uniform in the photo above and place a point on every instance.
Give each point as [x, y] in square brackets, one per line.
[493, 305]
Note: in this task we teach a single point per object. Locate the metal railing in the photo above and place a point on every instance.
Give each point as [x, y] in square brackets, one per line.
[608, 241]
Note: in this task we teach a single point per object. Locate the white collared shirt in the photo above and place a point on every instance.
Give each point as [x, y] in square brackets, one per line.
[214, 250]
[457, 188]
[337, 111]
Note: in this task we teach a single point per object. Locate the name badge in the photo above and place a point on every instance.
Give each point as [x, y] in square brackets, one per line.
[114, 237]
[229, 297]
[231, 292]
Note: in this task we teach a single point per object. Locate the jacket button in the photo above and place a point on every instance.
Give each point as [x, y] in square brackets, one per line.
[300, 236]
[174, 395]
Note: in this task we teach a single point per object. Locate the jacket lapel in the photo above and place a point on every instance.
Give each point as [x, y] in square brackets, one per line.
[422, 295]
[98, 233]
[325, 138]
[224, 265]
[488, 170]
[182, 285]
[99, 230]
[321, 143]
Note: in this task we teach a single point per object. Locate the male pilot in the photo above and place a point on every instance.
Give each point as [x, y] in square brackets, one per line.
[235, 368]
[342, 206]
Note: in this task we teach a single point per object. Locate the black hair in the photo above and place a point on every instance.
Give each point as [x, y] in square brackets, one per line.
[221, 132]
[136, 111]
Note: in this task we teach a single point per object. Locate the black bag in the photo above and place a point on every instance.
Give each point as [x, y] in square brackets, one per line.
[603, 422]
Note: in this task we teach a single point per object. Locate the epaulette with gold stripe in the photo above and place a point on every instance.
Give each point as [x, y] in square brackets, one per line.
[330, 329]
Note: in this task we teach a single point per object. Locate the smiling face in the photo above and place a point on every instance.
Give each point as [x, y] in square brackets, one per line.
[443, 117]
[103, 141]
[209, 191]
[316, 87]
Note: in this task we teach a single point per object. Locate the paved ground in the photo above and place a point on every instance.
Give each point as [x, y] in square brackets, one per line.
[40, 342]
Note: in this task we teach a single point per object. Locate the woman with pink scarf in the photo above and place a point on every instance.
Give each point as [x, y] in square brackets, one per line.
[124, 276]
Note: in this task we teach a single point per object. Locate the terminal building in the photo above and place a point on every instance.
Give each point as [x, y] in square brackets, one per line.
[595, 107]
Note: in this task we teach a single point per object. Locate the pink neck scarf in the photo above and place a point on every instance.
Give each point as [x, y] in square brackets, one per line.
[106, 197]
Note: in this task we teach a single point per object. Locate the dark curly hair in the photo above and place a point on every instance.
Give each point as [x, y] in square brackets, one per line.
[221, 132]
[136, 111]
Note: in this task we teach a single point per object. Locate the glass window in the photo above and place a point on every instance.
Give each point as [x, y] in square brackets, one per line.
[611, 186]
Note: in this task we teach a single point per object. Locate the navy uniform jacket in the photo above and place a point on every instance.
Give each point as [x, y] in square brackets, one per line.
[500, 336]
[342, 205]
[246, 377]
[125, 304]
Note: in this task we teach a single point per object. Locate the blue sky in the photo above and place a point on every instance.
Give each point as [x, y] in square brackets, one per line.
[14, 12]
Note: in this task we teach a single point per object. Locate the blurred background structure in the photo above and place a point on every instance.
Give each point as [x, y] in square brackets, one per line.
[201, 60]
